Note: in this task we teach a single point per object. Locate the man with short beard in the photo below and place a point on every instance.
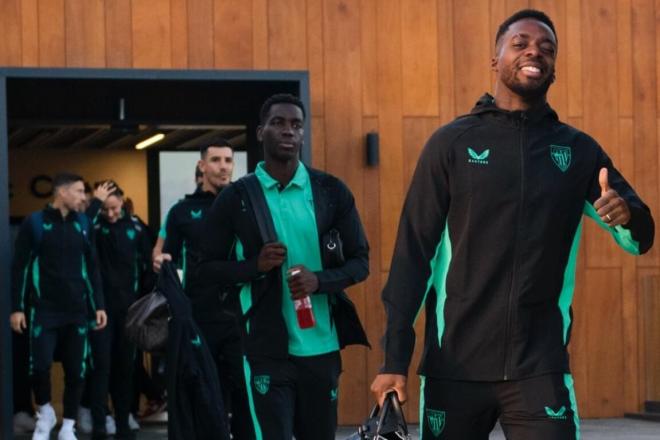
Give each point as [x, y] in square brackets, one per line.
[184, 236]
[488, 240]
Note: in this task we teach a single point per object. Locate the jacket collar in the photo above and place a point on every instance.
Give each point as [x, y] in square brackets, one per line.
[486, 106]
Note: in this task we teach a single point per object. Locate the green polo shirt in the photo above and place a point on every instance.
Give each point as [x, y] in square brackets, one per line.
[292, 209]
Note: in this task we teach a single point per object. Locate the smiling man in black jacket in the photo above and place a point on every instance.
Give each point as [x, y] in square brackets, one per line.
[55, 253]
[291, 370]
[487, 242]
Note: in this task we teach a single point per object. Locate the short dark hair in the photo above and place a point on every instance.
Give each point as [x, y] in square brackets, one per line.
[280, 98]
[66, 178]
[215, 141]
[521, 15]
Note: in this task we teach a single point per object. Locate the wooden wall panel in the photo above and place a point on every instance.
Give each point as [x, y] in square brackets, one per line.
[10, 23]
[287, 34]
[85, 33]
[419, 30]
[472, 55]
[51, 33]
[29, 33]
[179, 33]
[402, 68]
[232, 34]
[200, 34]
[645, 113]
[604, 343]
[118, 41]
[390, 119]
[599, 25]
[152, 33]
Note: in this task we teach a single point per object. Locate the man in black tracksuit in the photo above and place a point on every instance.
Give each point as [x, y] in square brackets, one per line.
[55, 252]
[487, 242]
[124, 248]
[215, 316]
[291, 371]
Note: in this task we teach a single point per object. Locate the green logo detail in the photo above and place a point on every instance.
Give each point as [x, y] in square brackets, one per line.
[559, 414]
[105, 231]
[36, 331]
[78, 227]
[197, 341]
[333, 394]
[48, 226]
[196, 215]
[82, 330]
[262, 383]
[481, 159]
[131, 234]
[561, 156]
[436, 421]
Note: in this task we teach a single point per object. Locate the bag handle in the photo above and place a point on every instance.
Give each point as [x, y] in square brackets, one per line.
[391, 403]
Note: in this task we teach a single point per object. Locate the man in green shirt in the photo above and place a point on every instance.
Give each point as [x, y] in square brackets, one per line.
[291, 370]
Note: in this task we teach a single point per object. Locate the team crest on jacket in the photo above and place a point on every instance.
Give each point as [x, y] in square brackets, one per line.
[436, 420]
[262, 383]
[561, 156]
[130, 233]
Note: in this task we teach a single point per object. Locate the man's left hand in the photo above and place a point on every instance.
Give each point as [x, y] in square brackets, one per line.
[611, 208]
[101, 320]
[104, 190]
[302, 284]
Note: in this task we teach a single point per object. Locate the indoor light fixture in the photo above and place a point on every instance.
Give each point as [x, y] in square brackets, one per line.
[149, 141]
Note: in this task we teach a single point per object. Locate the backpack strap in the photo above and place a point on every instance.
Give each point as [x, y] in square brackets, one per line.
[36, 220]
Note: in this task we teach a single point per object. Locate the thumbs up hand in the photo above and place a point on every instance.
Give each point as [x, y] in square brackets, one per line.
[611, 208]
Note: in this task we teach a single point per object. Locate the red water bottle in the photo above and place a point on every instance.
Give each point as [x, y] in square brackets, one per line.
[303, 306]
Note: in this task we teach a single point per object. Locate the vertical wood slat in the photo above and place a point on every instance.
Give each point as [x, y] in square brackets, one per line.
[315, 55]
[11, 41]
[29, 33]
[200, 34]
[370, 67]
[260, 34]
[419, 30]
[287, 34]
[152, 33]
[599, 33]
[573, 48]
[179, 33]
[85, 33]
[473, 54]
[342, 74]
[118, 34]
[446, 85]
[650, 295]
[233, 42]
[51, 33]
[645, 113]
[604, 339]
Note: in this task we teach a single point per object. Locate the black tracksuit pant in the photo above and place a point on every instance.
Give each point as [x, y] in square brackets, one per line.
[113, 360]
[539, 408]
[21, 377]
[72, 343]
[295, 397]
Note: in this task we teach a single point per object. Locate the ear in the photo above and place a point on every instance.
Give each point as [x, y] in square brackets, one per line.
[202, 165]
[493, 63]
[260, 130]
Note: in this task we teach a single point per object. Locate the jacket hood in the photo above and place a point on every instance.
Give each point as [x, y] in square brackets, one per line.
[486, 105]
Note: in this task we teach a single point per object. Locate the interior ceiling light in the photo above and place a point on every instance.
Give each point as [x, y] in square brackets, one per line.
[149, 141]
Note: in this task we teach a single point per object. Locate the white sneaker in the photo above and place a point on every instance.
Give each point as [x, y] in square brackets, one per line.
[110, 425]
[23, 423]
[84, 421]
[132, 423]
[67, 434]
[45, 421]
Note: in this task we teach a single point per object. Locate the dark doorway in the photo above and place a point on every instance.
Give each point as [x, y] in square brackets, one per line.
[72, 110]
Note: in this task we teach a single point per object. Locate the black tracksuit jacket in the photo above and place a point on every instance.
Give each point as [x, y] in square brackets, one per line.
[64, 274]
[124, 250]
[232, 218]
[487, 241]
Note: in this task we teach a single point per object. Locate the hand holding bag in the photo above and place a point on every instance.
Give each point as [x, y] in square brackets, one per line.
[387, 423]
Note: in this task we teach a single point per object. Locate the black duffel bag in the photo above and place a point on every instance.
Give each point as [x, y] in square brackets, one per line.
[386, 423]
[146, 322]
